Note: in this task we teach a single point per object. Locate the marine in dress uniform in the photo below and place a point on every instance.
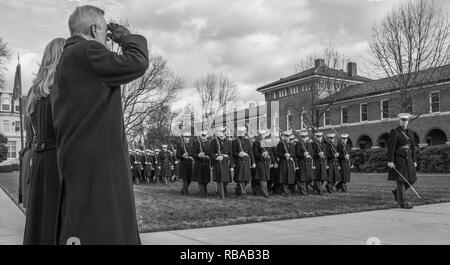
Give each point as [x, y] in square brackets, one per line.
[332, 156]
[186, 162]
[344, 163]
[220, 159]
[273, 183]
[147, 172]
[263, 164]
[202, 163]
[165, 161]
[244, 161]
[320, 163]
[135, 167]
[401, 156]
[303, 152]
[157, 171]
[286, 163]
[229, 149]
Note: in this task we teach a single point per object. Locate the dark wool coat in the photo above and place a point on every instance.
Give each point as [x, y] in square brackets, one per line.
[202, 165]
[242, 165]
[221, 169]
[97, 203]
[305, 172]
[286, 166]
[320, 173]
[262, 171]
[165, 161]
[185, 164]
[25, 165]
[344, 163]
[403, 158]
[41, 219]
[333, 164]
[147, 171]
[274, 171]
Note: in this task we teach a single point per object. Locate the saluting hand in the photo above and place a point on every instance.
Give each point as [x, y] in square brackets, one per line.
[117, 32]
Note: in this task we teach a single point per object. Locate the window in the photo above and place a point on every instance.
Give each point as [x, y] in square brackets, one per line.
[326, 117]
[17, 126]
[289, 121]
[16, 107]
[363, 112]
[434, 102]
[384, 109]
[6, 126]
[12, 149]
[409, 109]
[6, 104]
[344, 115]
[302, 124]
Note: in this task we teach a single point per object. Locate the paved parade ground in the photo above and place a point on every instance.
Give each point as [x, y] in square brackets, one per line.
[425, 224]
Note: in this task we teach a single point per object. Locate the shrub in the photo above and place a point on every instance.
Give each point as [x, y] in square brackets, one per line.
[3, 149]
[15, 167]
[431, 159]
[6, 169]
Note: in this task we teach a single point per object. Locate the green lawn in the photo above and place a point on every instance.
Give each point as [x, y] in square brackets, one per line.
[162, 207]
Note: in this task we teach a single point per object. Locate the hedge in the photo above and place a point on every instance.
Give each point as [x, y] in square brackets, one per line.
[431, 159]
[6, 169]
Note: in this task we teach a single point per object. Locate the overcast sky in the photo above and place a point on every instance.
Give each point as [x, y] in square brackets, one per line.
[253, 41]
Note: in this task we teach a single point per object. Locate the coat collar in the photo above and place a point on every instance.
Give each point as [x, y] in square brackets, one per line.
[73, 40]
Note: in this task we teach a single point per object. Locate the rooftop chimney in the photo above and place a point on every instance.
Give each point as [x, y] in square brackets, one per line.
[319, 63]
[351, 69]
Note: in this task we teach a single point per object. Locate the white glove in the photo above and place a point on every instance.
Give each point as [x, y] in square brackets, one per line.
[242, 154]
[219, 158]
[201, 154]
[253, 165]
[347, 156]
[415, 164]
[287, 155]
[306, 154]
[336, 155]
[391, 165]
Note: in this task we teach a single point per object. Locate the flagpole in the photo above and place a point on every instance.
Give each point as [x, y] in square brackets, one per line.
[20, 106]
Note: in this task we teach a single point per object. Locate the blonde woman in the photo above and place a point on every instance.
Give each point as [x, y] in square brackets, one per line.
[41, 220]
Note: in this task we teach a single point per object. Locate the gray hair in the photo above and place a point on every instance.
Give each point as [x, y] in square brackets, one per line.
[83, 18]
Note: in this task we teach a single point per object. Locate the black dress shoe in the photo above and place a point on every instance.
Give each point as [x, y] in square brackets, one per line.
[395, 194]
[406, 206]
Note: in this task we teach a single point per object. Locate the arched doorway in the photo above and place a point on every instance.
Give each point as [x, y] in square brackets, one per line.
[383, 139]
[436, 137]
[364, 142]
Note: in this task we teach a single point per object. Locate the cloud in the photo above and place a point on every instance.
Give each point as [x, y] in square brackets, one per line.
[253, 41]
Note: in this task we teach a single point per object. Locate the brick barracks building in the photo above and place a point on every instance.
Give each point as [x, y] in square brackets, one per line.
[365, 109]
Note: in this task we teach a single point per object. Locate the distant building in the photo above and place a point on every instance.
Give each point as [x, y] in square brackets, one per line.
[365, 109]
[10, 125]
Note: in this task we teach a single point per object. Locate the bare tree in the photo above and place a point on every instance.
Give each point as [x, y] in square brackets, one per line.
[328, 86]
[4, 56]
[215, 92]
[145, 95]
[333, 58]
[409, 45]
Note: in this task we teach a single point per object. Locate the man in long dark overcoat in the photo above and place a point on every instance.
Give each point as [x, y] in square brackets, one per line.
[286, 163]
[202, 163]
[244, 161]
[345, 163]
[97, 201]
[401, 156]
[263, 164]
[220, 160]
[186, 162]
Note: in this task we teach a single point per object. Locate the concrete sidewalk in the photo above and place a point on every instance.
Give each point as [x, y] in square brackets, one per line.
[12, 221]
[427, 224]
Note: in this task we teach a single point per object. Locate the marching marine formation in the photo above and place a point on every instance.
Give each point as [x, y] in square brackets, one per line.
[298, 163]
